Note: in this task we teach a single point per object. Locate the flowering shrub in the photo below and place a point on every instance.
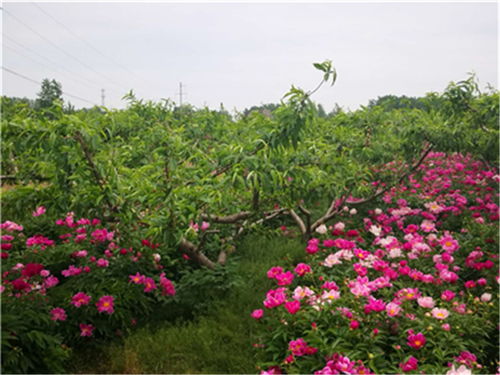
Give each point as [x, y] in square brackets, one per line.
[60, 292]
[408, 287]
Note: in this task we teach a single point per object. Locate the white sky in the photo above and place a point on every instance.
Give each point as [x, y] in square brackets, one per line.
[244, 54]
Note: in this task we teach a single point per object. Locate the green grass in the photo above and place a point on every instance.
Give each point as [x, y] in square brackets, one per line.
[218, 341]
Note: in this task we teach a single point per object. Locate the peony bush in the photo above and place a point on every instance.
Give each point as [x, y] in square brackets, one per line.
[410, 286]
[68, 290]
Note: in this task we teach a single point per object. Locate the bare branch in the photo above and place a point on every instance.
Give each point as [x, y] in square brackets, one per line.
[227, 219]
[222, 258]
[192, 250]
[400, 179]
[298, 221]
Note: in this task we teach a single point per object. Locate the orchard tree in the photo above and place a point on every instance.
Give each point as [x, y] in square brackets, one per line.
[51, 90]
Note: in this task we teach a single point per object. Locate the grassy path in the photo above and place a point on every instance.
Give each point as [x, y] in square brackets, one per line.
[219, 341]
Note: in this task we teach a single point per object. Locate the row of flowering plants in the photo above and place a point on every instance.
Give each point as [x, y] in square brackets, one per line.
[72, 289]
[407, 286]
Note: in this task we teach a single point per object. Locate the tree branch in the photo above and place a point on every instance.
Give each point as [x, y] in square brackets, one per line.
[400, 179]
[192, 250]
[298, 221]
[227, 219]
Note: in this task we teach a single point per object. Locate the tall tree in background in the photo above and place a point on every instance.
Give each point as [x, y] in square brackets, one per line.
[51, 91]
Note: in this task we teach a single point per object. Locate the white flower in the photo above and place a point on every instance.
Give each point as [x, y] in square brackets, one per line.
[486, 297]
[353, 211]
[375, 230]
[156, 257]
[462, 370]
[378, 211]
[322, 229]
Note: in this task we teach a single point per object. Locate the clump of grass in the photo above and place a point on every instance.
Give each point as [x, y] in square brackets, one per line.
[218, 341]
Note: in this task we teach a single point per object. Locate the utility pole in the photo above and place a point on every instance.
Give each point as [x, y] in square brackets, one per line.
[181, 94]
[102, 97]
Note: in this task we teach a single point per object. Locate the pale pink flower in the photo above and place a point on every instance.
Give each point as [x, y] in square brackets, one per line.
[301, 292]
[462, 370]
[486, 297]
[426, 302]
[392, 309]
[440, 313]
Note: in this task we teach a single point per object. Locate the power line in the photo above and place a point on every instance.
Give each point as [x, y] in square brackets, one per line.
[86, 80]
[62, 50]
[39, 83]
[85, 41]
[81, 81]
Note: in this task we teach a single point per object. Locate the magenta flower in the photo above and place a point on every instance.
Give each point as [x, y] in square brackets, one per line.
[274, 271]
[447, 295]
[354, 324]
[149, 284]
[58, 313]
[257, 314]
[86, 329]
[137, 278]
[416, 341]
[285, 278]
[39, 211]
[275, 298]
[101, 262]
[105, 304]
[297, 347]
[80, 299]
[410, 365]
[292, 306]
[302, 269]
[167, 286]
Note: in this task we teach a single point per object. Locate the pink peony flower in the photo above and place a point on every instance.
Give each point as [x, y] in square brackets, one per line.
[462, 370]
[486, 297]
[137, 278]
[274, 271]
[416, 341]
[392, 309]
[354, 324]
[298, 347]
[86, 329]
[292, 306]
[302, 269]
[425, 302]
[275, 298]
[149, 284]
[447, 295]
[257, 314]
[106, 304]
[410, 365]
[285, 278]
[39, 211]
[167, 286]
[58, 313]
[80, 299]
[440, 313]
[101, 262]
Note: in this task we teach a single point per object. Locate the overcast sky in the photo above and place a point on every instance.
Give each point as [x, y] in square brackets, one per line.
[244, 54]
